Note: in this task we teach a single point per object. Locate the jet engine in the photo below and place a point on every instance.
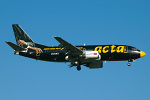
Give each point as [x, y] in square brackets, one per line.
[93, 65]
[92, 55]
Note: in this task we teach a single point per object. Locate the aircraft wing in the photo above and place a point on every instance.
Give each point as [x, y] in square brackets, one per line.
[69, 46]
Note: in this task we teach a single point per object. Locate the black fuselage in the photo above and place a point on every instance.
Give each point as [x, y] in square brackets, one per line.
[107, 52]
[91, 56]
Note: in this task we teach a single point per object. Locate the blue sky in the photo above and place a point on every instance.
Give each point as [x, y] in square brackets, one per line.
[79, 22]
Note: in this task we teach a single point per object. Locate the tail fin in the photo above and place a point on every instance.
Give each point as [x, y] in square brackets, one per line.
[21, 36]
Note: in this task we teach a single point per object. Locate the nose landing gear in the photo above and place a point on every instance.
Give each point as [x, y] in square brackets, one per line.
[129, 64]
[130, 60]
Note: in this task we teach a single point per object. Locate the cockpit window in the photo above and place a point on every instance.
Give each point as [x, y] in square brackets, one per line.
[135, 49]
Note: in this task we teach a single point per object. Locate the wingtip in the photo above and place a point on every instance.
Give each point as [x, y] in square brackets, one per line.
[14, 24]
[56, 36]
[6, 41]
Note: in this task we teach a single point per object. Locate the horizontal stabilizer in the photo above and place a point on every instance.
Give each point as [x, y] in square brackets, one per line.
[15, 47]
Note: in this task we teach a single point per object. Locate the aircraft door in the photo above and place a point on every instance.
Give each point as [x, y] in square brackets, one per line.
[126, 49]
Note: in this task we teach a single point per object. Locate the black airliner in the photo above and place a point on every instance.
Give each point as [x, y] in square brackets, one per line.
[91, 56]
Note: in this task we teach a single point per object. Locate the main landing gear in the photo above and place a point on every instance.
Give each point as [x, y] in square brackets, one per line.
[79, 68]
[76, 63]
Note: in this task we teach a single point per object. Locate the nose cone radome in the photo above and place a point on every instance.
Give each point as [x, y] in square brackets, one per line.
[142, 53]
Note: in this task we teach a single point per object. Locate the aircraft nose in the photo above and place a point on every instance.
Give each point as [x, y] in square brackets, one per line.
[142, 53]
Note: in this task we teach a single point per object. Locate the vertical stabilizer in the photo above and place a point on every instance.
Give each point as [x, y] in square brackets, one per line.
[21, 36]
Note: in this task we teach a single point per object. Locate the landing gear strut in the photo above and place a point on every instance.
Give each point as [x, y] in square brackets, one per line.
[130, 60]
[78, 65]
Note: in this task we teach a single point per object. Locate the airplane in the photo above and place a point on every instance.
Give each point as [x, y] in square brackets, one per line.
[91, 56]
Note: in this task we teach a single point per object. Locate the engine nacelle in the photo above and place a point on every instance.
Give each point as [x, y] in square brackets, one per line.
[92, 55]
[93, 65]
